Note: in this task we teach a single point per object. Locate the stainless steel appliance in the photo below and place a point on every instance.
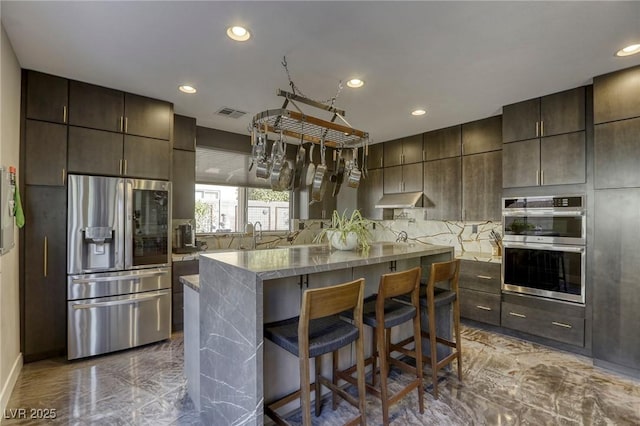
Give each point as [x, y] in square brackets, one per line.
[118, 263]
[544, 241]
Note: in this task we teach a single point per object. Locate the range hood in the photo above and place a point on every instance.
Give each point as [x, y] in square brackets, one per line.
[406, 200]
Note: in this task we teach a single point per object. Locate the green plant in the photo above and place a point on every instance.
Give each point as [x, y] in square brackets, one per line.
[343, 225]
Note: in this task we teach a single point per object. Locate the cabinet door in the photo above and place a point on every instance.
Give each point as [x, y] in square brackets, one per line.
[184, 133]
[392, 180]
[442, 189]
[393, 153]
[375, 158]
[521, 164]
[370, 191]
[616, 96]
[482, 135]
[520, 121]
[412, 180]
[45, 153]
[147, 117]
[482, 186]
[47, 97]
[184, 184]
[325, 208]
[45, 290]
[95, 107]
[616, 268]
[562, 112]
[617, 149]
[443, 143]
[146, 158]
[412, 149]
[95, 151]
[563, 159]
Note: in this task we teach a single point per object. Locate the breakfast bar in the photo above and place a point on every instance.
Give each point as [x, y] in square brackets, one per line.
[239, 291]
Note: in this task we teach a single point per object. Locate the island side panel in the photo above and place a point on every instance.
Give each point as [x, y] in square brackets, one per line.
[231, 345]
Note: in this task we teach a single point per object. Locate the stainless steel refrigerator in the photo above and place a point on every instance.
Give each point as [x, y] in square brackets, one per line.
[118, 263]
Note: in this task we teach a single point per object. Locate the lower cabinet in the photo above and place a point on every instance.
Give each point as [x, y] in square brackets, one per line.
[479, 284]
[44, 308]
[180, 268]
[552, 320]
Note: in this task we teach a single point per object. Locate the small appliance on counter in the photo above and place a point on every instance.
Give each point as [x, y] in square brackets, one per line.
[184, 239]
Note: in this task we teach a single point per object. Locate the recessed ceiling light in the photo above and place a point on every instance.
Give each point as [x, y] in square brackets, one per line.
[238, 33]
[418, 112]
[629, 50]
[185, 88]
[355, 83]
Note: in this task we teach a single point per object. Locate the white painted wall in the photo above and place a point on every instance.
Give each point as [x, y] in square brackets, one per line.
[10, 356]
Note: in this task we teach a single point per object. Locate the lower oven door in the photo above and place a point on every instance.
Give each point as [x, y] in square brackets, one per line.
[107, 324]
[552, 271]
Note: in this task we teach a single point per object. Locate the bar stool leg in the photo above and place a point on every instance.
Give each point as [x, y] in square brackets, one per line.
[334, 396]
[384, 371]
[374, 351]
[417, 333]
[361, 378]
[305, 395]
[434, 347]
[456, 324]
[318, 386]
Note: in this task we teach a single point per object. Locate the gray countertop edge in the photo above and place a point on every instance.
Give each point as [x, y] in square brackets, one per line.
[191, 281]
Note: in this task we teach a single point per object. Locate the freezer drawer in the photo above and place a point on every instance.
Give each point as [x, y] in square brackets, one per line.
[88, 286]
[97, 326]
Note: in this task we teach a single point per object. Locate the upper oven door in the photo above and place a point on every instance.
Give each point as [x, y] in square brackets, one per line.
[544, 226]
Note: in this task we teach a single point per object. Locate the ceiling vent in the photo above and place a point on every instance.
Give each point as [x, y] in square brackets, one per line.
[230, 112]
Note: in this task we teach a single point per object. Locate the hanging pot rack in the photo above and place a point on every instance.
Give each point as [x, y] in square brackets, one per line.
[308, 128]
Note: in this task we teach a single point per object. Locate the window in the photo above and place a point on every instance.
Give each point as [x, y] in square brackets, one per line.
[228, 208]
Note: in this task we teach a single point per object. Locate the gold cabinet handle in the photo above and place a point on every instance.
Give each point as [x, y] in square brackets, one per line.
[537, 177]
[541, 128]
[45, 256]
[126, 124]
[64, 175]
[120, 166]
[125, 166]
[541, 177]
[515, 314]
[484, 277]
[121, 123]
[484, 308]
[64, 113]
[537, 129]
[561, 324]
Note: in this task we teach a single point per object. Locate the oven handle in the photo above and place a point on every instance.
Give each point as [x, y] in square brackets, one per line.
[552, 247]
[537, 213]
[137, 277]
[127, 301]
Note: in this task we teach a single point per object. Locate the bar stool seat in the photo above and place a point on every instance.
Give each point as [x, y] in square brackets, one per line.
[441, 296]
[395, 313]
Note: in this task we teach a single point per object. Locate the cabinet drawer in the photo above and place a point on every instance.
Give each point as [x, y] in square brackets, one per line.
[480, 306]
[481, 276]
[555, 326]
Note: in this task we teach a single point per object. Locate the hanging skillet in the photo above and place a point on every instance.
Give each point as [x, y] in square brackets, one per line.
[299, 165]
[309, 170]
[281, 169]
[353, 179]
[263, 164]
[338, 174]
[320, 179]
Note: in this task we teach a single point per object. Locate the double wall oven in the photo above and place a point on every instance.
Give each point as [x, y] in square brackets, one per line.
[544, 241]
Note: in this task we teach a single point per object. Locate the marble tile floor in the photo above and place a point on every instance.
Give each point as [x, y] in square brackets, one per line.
[506, 382]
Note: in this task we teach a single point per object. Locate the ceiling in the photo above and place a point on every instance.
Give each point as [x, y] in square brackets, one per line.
[461, 61]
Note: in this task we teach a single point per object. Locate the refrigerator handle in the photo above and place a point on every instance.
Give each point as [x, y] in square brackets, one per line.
[128, 225]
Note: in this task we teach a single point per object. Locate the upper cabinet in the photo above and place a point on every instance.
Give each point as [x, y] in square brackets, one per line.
[616, 96]
[375, 157]
[102, 108]
[183, 174]
[47, 98]
[482, 135]
[403, 151]
[45, 148]
[407, 178]
[184, 133]
[442, 189]
[443, 143]
[370, 191]
[544, 140]
[550, 115]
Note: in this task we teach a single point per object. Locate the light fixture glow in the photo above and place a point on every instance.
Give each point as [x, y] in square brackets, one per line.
[418, 112]
[185, 88]
[355, 83]
[629, 50]
[238, 33]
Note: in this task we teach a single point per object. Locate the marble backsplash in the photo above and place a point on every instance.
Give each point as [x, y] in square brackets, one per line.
[465, 237]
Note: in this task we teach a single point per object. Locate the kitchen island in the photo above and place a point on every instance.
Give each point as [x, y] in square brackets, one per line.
[239, 291]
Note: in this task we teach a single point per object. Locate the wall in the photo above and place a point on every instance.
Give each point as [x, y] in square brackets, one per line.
[10, 356]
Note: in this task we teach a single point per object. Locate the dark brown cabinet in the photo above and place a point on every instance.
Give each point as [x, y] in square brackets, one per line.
[482, 135]
[482, 186]
[369, 193]
[403, 151]
[44, 301]
[407, 178]
[184, 133]
[180, 268]
[616, 268]
[183, 189]
[443, 143]
[96, 107]
[616, 96]
[479, 284]
[617, 151]
[146, 157]
[521, 164]
[443, 189]
[46, 97]
[554, 114]
[45, 153]
[147, 117]
[376, 157]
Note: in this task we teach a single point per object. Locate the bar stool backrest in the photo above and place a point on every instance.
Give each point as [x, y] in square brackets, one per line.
[327, 301]
[400, 283]
[444, 271]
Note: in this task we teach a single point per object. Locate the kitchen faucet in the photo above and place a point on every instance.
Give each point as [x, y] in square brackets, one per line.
[402, 237]
[257, 234]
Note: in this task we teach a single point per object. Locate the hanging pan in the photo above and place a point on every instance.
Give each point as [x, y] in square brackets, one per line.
[320, 178]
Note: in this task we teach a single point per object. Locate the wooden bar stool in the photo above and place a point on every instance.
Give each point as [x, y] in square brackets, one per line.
[441, 272]
[382, 313]
[317, 331]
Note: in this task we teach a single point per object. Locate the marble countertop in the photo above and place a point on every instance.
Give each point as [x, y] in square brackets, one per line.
[479, 256]
[300, 260]
[192, 281]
